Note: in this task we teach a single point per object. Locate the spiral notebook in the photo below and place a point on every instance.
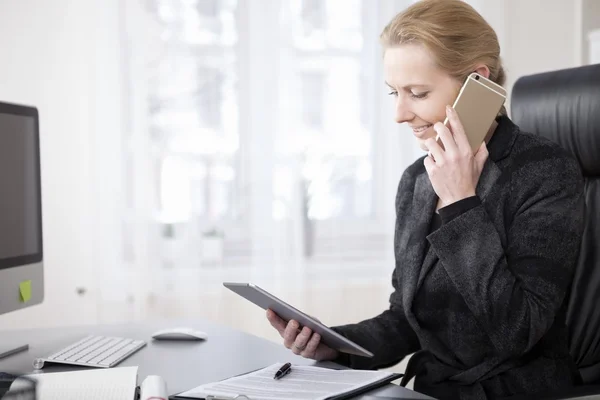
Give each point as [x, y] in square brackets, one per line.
[302, 383]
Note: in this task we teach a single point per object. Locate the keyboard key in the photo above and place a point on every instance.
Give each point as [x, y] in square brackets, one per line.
[74, 345]
[74, 350]
[120, 354]
[83, 352]
[106, 345]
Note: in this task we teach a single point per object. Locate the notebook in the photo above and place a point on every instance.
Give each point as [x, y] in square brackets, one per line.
[302, 383]
[95, 384]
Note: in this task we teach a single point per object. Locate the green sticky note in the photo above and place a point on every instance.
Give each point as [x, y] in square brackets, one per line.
[25, 291]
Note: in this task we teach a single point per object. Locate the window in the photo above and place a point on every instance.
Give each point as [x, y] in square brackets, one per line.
[263, 126]
[193, 109]
[327, 129]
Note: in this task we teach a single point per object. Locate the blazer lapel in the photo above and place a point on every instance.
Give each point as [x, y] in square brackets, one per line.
[489, 175]
[499, 148]
[423, 207]
[428, 263]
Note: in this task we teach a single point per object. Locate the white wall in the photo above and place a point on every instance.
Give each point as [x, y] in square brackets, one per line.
[535, 35]
[594, 47]
[590, 11]
[49, 52]
[541, 35]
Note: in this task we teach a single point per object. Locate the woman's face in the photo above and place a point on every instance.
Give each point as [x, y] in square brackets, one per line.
[421, 89]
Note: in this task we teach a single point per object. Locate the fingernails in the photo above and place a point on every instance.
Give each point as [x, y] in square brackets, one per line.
[449, 110]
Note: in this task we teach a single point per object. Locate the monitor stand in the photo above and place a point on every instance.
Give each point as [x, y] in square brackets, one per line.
[8, 351]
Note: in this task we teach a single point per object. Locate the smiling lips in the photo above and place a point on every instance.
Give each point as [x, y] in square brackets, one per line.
[420, 130]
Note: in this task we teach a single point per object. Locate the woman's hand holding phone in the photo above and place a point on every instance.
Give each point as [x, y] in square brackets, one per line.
[453, 170]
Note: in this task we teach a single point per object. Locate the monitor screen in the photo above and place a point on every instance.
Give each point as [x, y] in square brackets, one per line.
[20, 203]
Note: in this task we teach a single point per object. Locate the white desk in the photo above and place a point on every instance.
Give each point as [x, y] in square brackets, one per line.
[183, 364]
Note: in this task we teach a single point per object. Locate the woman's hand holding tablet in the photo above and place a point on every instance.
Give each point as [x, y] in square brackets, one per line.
[303, 334]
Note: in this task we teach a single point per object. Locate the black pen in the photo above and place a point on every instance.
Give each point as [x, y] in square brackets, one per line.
[283, 371]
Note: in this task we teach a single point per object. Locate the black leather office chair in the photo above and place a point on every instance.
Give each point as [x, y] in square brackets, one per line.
[564, 106]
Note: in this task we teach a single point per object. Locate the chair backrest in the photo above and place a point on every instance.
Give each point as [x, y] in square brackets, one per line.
[564, 106]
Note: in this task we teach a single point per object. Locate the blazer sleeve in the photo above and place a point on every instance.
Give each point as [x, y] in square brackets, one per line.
[388, 336]
[515, 290]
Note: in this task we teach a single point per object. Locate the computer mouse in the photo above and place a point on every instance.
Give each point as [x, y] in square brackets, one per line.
[180, 334]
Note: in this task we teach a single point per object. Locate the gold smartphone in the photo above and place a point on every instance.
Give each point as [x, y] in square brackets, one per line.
[477, 105]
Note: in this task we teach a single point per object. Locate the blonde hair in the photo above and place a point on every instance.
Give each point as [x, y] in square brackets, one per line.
[454, 33]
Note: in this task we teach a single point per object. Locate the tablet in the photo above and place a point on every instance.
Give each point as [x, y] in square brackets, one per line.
[265, 300]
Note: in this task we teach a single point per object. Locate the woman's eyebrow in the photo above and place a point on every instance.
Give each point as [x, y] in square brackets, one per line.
[410, 86]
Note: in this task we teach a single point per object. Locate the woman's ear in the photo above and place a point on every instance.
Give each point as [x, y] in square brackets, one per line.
[483, 70]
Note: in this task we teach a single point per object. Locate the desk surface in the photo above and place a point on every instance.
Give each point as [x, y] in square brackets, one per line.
[183, 364]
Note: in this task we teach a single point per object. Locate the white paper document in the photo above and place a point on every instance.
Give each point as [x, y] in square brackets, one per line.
[93, 384]
[302, 383]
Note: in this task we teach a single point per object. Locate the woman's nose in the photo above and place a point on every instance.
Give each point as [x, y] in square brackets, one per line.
[403, 112]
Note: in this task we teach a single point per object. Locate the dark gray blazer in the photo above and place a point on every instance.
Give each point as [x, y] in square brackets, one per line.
[485, 298]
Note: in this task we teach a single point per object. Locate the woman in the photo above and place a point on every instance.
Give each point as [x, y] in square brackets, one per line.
[485, 242]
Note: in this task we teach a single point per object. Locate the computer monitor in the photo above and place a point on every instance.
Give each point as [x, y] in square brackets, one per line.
[21, 245]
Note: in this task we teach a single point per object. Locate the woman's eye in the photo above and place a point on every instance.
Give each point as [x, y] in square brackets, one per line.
[419, 95]
[393, 93]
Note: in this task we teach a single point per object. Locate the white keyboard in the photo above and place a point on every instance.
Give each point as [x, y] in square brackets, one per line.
[94, 351]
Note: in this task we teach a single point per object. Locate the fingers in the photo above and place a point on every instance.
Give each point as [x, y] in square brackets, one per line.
[435, 150]
[311, 347]
[290, 333]
[458, 131]
[481, 156]
[276, 322]
[446, 137]
[429, 165]
[304, 343]
[301, 341]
